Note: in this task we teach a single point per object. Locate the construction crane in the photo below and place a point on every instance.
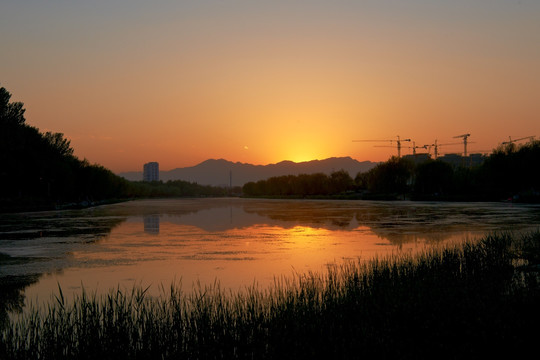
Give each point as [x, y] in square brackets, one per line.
[398, 143]
[414, 147]
[436, 147]
[464, 136]
[510, 141]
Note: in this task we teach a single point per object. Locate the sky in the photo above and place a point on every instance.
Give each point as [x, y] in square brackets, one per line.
[179, 82]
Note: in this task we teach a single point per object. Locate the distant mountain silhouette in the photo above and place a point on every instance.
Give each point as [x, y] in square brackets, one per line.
[218, 172]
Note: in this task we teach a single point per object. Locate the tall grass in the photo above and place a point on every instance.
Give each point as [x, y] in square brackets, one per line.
[472, 300]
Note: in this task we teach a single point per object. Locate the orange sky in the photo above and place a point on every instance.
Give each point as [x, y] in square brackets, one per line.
[179, 82]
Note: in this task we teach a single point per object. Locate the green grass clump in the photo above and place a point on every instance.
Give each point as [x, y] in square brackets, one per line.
[472, 300]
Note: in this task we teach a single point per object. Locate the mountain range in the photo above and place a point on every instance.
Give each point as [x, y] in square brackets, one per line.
[220, 172]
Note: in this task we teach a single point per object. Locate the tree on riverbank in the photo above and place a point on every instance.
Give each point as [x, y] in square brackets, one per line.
[39, 170]
[513, 171]
[390, 177]
[302, 185]
[510, 172]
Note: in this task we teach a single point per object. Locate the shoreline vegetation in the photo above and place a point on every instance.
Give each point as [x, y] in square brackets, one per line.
[508, 174]
[462, 301]
[40, 171]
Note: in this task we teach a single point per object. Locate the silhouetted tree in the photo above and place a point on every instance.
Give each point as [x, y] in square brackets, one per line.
[10, 112]
[433, 178]
[340, 181]
[57, 142]
[391, 177]
[512, 171]
[250, 189]
[317, 184]
[361, 181]
[39, 170]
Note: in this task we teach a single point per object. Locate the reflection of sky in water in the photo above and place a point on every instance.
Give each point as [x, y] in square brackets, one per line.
[237, 241]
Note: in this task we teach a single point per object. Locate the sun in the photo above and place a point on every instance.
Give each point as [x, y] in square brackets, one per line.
[300, 154]
[297, 158]
[300, 150]
[302, 146]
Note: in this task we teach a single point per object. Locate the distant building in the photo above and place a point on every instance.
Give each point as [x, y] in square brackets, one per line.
[417, 158]
[151, 171]
[477, 159]
[452, 159]
[458, 160]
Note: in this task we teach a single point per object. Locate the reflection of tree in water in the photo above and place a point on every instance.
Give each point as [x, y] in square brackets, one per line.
[32, 226]
[12, 294]
[56, 234]
[398, 223]
[323, 215]
[439, 222]
[313, 214]
[406, 225]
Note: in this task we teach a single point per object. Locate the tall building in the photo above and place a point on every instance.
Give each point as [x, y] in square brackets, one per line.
[151, 171]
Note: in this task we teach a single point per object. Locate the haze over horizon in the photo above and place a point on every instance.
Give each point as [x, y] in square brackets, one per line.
[130, 82]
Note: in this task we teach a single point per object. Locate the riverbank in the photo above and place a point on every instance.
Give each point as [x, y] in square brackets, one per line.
[44, 205]
[467, 301]
[518, 199]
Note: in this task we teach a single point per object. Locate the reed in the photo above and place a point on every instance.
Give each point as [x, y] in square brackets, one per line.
[461, 301]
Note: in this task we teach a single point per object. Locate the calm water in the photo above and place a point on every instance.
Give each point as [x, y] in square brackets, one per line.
[237, 241]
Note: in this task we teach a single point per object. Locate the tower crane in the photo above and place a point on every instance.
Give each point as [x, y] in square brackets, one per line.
[436, 147]
[428, 148]
[414, 147]
[464, 136]
[510, 141]
[398, 142]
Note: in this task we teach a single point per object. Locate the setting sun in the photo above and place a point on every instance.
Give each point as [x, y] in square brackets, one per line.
[300, 153]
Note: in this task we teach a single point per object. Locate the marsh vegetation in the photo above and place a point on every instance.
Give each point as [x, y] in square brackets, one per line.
[468, 300]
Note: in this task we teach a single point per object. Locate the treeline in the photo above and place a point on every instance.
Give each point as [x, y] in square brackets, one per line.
[40, 168]
[303, 185]
[39, 171]
[510, 173]
[178, 188]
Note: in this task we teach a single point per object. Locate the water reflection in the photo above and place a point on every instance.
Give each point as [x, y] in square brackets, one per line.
[35, 244]
[235, 240]
[151, 224]
[12, 297]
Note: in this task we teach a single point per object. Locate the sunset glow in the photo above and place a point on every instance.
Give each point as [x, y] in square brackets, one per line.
[260, 82]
